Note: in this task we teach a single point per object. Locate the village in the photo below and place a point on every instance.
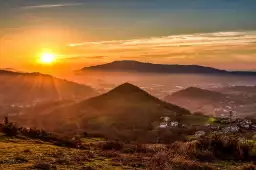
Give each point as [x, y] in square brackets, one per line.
[226, 125]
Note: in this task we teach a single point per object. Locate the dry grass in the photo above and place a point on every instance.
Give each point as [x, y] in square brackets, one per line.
[18, 154]
[24, 153]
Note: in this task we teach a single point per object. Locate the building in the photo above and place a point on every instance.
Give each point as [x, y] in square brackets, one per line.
[174, 124]
[163, 125]
[200, 133]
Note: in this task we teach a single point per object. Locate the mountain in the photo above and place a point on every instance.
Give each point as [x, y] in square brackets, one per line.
[135, 66]
[125, 107]
[140, 67]
[197, 93]
[212, 102]
[196, 99]
[238, 90]
[27, 88]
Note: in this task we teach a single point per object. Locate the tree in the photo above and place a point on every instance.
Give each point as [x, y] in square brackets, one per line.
[6, 121]
[10, 129]
[231, 113]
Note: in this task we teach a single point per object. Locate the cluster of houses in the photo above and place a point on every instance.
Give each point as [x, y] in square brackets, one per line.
[228, 126]
[234, 126]
[167, 123]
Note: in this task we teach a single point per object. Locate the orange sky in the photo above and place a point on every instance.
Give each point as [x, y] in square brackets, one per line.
[228, 50]
[220, 34]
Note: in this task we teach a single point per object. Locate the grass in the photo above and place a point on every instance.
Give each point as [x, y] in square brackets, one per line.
[24, 153]
[92, 140]
[194, 120]
[16, 153]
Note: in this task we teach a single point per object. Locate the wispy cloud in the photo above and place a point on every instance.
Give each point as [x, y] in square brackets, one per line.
[50, 6]
[179, 40]
[203, 48]
[77, 57]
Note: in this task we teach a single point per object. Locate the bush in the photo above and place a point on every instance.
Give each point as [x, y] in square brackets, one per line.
[10, 129]
[35, 133]
[44, 166]
[159, 161]
[139, 148]
[66, 142]
[215, 147]
[20, 159]
[225, 147]
[247, 167]
[112, 146]
[109, 154]
[167, 160]
[181, 163]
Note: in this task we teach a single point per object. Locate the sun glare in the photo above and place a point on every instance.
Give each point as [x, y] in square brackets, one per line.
[47, 58]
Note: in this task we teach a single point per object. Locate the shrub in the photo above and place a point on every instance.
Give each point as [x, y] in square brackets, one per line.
[20, 159]
[10, 129]
[109, 154]
[88, 168]
[35, 133]
[182, 163]
[247, 167]
[62, 161]
[225, 147]
[139, 148]
[159, 161]
[66, 142]
[215, 147]
[112, 146]
[167, 160]
[44, 166]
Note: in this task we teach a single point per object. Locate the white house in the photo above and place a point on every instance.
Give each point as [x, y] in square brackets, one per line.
[163, 125]
[200, 133]
[174, 124]
[230, 129]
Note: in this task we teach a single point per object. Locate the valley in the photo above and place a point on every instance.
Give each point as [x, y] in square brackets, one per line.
[59, 124]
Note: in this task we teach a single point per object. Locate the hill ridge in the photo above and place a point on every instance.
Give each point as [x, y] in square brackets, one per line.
[18, 87]
[125, 106]
[146, 67]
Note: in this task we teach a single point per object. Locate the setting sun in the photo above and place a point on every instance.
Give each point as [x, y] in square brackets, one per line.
[47, 58]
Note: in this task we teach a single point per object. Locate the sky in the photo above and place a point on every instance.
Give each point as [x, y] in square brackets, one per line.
[219, 33]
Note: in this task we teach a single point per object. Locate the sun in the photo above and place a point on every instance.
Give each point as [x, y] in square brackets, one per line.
[47, 58]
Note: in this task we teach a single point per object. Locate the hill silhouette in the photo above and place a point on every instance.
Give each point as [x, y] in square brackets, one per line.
[17, 87]
[141, 67]
[244, 90]
[126, 107]
[136, 66]
[197, 93]
[196, 99]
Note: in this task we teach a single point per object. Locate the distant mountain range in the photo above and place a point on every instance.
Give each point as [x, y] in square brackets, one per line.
[140, 67]
[213, 102]
[126, 107]
[17, 87]
[238, 90]
[197, 93]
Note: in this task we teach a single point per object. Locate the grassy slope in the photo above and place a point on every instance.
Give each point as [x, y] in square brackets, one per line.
[23, 153]
[29, 87]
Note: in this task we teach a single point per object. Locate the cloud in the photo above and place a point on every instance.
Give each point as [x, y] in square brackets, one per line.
[50, 6]
[201, 48]
[77, 57]
[177, 40]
